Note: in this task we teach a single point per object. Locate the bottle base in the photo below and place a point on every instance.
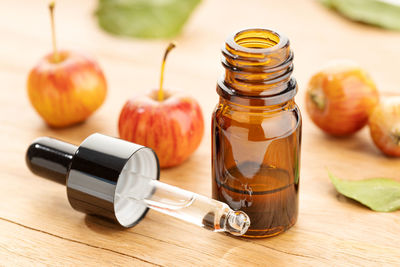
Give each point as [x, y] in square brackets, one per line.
[265, 233]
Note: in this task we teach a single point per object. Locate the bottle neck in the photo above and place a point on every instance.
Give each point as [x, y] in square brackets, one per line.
[258, 66]
[238, 107]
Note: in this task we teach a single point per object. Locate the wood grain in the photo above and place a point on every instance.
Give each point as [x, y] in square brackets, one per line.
[22, 245]
[38, 227]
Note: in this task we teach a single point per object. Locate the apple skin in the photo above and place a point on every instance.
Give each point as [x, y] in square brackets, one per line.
[66, 92]
[384, 126]
[340, 98]
[173, 128]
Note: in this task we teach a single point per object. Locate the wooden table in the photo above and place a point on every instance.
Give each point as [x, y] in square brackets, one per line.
[39, 227]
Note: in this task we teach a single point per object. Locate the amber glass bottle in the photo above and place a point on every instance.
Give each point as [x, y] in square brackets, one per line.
[256, 130]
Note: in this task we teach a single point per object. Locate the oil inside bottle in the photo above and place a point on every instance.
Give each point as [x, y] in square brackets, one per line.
[258, 176]
[270, 199]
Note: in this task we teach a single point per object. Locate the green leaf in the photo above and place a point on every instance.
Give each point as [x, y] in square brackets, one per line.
[144, 18]
[379, 194]
[383, 13]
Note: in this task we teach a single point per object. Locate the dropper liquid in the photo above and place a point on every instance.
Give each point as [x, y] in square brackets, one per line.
[185, 205]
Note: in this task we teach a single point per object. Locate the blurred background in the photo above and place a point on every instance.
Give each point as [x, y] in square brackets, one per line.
[131, 65]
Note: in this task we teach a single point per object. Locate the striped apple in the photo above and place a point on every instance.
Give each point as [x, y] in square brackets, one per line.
[340, 97]
[173, 128]
[68, 91]
[171, 123]
[65, 87]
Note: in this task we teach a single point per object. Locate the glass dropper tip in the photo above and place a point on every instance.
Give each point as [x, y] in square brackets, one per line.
[237, 223]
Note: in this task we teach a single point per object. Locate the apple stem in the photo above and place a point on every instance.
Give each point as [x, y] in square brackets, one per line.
[160, 90]
[395, 134]
[318, 98]
[56, 56]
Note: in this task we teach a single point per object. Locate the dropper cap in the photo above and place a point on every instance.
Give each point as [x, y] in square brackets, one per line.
[92, 173]
[116, 179]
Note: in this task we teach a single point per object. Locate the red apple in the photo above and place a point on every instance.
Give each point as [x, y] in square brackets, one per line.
[171, 123]
[384, 125]
[66, 87]
[340, 98]
[173, 128]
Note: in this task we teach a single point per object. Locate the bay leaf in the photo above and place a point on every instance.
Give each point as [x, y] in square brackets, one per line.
[144, 18]
[382, 13]
[379, 194]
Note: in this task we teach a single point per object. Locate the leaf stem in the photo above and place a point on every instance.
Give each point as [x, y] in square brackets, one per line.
[160, 95]
[56, 56]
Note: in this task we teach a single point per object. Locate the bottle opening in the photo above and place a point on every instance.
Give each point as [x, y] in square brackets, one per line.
[258, 64]
[257, 38]
[261, 46]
